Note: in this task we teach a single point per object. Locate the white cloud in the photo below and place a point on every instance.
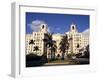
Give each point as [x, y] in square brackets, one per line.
[67, 32]
[86, 32]
[35, 25]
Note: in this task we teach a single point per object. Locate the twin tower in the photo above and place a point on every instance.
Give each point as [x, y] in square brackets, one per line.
[44, 28]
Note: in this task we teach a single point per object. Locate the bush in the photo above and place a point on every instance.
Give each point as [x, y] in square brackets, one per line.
[33, 60]
[32, 57]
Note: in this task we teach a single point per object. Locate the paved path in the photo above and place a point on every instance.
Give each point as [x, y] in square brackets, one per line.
[69, 62]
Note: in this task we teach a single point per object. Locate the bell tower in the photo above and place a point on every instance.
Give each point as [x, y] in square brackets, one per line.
[43, 28]
[73, 28]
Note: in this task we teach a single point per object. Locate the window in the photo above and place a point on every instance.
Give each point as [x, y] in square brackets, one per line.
[78, 45]
[73, 27]
[42, 26]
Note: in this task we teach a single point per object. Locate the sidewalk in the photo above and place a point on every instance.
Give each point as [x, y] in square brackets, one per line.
[60, 62]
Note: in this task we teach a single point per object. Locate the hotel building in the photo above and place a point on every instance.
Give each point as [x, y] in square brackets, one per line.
[37, 41]
[76, 41]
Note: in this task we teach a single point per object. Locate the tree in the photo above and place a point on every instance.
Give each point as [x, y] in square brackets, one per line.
[84, 52]
[87, 52]
[64, 45]
[51, 45]
[31, 42]
[36, 48]
[53, 49]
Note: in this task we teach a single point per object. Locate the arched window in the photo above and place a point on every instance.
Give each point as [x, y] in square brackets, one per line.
[73, 27]
[42, 26]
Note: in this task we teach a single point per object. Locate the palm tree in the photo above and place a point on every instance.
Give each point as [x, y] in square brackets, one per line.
[87, 52]
[51, 45]
[47, 41]
[31, 42]
[64, 45]
[36, 48]
[53, 49]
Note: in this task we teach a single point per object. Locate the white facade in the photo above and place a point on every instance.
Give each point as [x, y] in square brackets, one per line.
[28, 48]
[57, 38]
[76, 41]
[37, 38]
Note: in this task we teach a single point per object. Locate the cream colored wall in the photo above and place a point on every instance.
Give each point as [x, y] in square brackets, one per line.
[28, 48]
[77, 38]
[37, 37]
[57, 38]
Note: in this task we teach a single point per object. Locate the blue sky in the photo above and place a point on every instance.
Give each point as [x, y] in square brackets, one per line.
[58, 23]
